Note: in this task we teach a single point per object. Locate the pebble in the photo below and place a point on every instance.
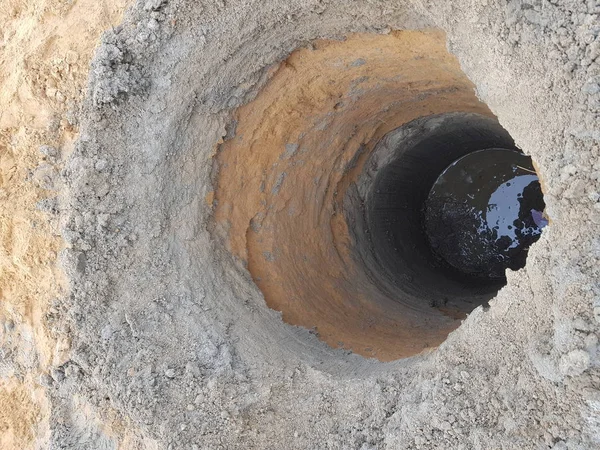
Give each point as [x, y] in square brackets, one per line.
[45, 176]
[597, 313]
[46, 150]
[9, 325]
[72, 371]
[101, 164]
[420, 440]
[46, 380]
[71, 57]
[106, 332]
[445, 425]
[153, 5]
[591, 88]
[192, 369]
[170, 373]
[57, 374]
[574, 363]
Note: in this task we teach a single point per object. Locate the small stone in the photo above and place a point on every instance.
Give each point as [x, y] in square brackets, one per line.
[51, 92]
[142, 36]
[568, 170]
[597, 313]
[445, 425]
[106, 332]
[57, 374]
[72, 371]
[80, 263]
[574, 363]
[48, 151]
[576, 189]
[45, 176]
[170, 373]
[101, 164]
[193, 369]
[190, 407]
[224, 415]
[591, 88]
[153, 5]
[591, 341]
[103, 220]
[45, 380]
[71, 57]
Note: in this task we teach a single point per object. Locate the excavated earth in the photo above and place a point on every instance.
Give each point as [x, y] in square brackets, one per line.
[211, 214]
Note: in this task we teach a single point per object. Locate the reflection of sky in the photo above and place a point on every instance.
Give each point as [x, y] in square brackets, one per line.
[503, 208]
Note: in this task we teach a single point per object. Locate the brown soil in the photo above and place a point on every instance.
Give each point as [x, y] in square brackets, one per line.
[45, 49]
[296, 149]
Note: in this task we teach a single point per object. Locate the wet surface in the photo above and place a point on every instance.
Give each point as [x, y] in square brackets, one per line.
[484, 212]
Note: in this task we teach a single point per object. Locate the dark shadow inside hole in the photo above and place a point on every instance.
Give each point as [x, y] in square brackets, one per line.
[392, 243]
[484, 212]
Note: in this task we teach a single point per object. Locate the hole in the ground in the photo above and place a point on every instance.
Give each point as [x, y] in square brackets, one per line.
[484, 212]
[323, 185]
[449, 204]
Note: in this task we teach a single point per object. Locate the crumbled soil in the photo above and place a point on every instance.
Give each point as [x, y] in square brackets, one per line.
[168, 341]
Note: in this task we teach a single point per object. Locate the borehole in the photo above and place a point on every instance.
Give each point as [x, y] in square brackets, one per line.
[484, 212]
[322, 192]
[438, 207]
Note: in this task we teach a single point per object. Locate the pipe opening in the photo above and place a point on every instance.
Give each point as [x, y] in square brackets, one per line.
[449, 204]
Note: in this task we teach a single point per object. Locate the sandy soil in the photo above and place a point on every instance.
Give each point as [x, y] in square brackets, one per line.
[45, 50]
[158, 338]
[312, 129]
[167, 325]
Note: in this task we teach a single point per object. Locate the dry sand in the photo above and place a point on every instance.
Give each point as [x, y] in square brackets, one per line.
[152, 334]
[45, 50]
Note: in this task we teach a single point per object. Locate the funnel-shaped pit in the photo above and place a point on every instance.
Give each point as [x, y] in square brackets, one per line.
[323, 185]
